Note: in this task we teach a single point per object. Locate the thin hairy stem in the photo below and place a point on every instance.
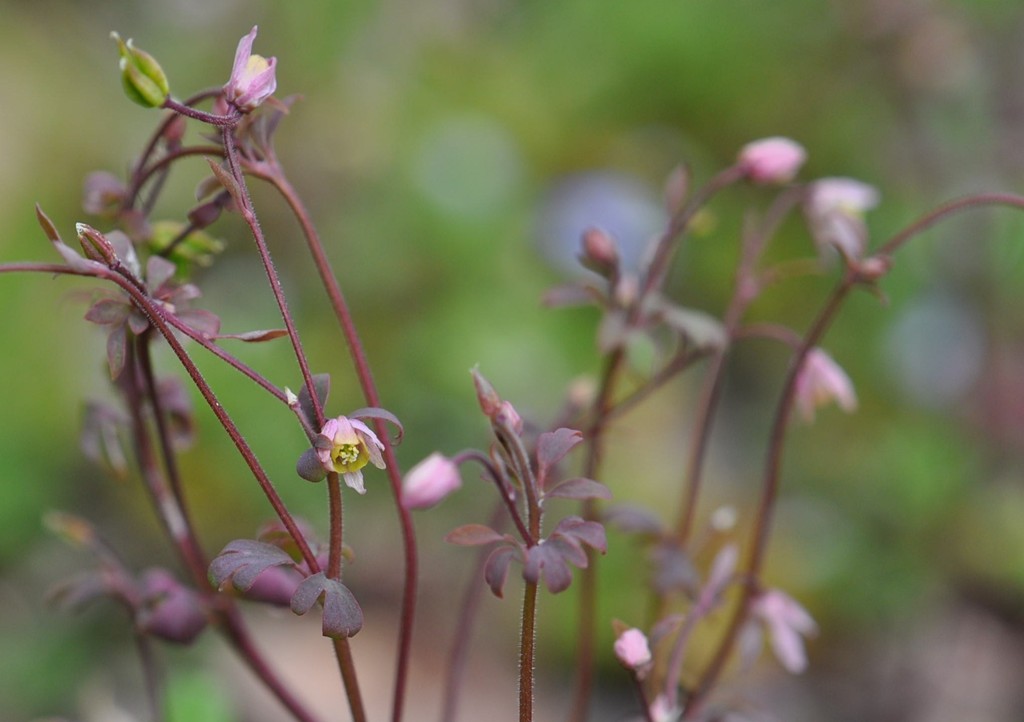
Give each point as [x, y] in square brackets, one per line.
[343, 651]
[527, 644]
[362, 368]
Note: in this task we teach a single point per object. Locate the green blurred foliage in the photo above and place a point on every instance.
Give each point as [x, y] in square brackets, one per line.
[428, 142]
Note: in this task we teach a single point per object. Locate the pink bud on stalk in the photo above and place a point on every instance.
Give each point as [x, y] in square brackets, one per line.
[772, 160]
[429, 482]
[253, 77]
[632, 650]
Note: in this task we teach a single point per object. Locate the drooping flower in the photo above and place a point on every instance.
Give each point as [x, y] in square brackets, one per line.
[253, 77]
[346, 446]
[632, 649]
[169, 610]
[772, 160]
[787, 624]
[820, 381]
[835, 209]
[429, 482]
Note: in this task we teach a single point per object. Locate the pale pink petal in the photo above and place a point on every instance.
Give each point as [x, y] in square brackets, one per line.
[429, 482]
[772, 160]
[354, 479]
[632, 649]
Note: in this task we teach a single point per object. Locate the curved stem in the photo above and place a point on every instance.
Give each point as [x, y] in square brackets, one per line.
[155, 316]
[370, 393]
[769, 492]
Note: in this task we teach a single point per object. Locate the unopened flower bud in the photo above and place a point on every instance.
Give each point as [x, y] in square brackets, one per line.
[772, 160]
[143, 79]
[171, 611]
[95, 244]
[275, 586]
[429, 482]
[488, 398]
[632, 649]
[509, 417]
[873, 268]
[253, 77]
[599, 252]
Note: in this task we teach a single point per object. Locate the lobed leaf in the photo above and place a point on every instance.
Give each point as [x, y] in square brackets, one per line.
[342, 615]
[552, 446]
[590, 533]
[546, 561]
[496, 569]
[242, 560]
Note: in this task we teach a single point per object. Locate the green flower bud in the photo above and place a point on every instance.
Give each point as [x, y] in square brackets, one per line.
[141, 75]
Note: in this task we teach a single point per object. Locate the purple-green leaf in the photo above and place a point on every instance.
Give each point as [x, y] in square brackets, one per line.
[590, 533]
[322, 386]
[117, 343]
[228, 181]
[472, 535]
[204, 323]
[547, 562]
[634, 520]
[552, 446]
[242, 560]
[256, 336]
[373, 412]
[108, 311]
[47, 225]
[158, 272]
[342, 615]
[496, 569]
[579, 488]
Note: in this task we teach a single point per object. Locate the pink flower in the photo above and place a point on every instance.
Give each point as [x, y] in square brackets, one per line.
[429, 482]
[835, 210]
[663, 709]
[632, 650]
[772, 160]
[253, 77]
[346, 446]
[787, 624]
[820, 381]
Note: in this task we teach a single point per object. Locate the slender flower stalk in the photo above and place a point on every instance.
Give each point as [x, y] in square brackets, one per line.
[372, 396]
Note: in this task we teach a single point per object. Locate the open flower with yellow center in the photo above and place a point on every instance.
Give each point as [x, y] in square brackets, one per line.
[346, 446]
[253, 77]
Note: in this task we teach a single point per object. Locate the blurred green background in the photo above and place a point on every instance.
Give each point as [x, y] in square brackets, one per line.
[450, 152]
